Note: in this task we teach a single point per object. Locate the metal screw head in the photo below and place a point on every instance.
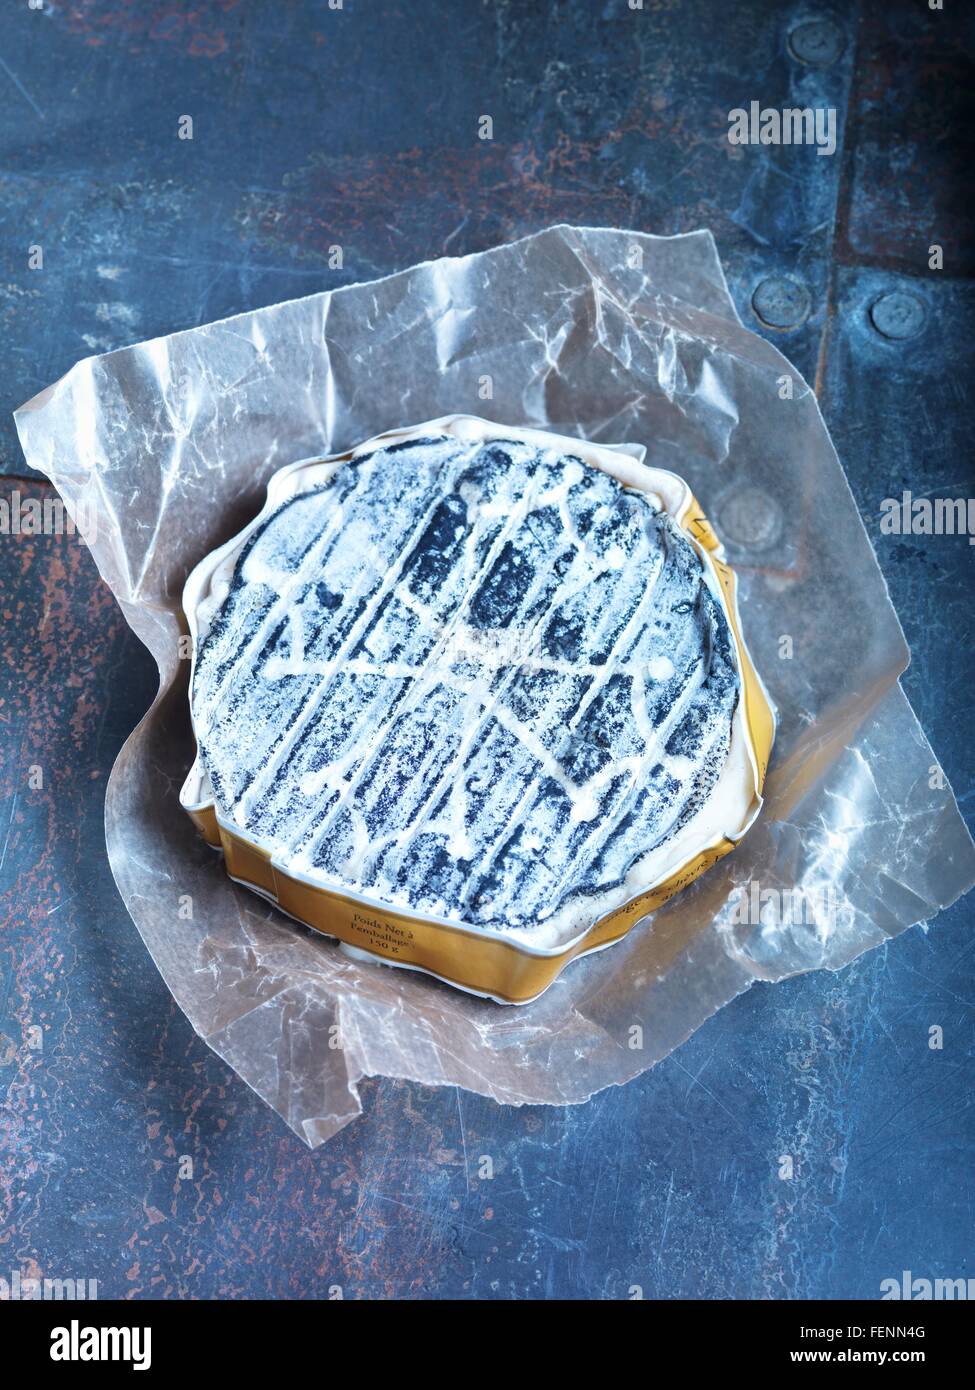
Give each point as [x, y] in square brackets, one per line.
[898, 315]
[781, 302]
[749, 517]
[817, 43]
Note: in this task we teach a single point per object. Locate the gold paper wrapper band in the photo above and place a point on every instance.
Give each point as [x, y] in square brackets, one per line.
[759, 719]
[484, 963]
[479, 963]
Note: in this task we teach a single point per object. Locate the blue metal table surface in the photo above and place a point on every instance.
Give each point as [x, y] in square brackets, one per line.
[316, 127]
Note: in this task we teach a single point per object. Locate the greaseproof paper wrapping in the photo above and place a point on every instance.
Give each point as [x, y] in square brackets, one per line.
[164, 450]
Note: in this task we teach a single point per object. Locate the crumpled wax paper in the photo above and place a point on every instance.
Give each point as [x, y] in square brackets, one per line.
[614, 336]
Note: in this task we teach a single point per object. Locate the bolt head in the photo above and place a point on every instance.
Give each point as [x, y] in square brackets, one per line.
[898, 315]
[781, 302]
[750, 518]
[817, 43]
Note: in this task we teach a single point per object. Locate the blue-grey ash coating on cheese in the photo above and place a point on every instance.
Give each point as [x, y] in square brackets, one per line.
[475, 680]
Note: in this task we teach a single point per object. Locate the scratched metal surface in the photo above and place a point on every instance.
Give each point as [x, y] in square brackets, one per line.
[313, 128]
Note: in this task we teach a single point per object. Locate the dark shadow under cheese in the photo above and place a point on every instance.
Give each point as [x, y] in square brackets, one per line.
[476, 680]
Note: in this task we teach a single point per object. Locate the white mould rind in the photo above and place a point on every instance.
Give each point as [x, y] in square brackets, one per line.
[728, 809]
